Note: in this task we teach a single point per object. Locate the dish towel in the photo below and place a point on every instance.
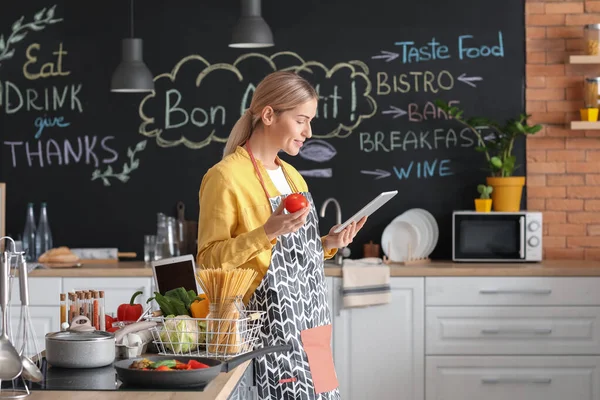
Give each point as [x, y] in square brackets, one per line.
[365, 282]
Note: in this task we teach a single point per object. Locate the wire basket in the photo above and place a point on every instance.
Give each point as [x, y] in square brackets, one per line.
[219, 338]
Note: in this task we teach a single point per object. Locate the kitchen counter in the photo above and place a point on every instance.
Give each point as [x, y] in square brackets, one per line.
[436, 268]
[219, 389]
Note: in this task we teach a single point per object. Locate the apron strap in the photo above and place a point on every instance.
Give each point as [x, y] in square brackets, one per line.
[260, 178]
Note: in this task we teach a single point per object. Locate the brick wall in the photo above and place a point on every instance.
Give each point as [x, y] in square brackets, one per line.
[563, 165]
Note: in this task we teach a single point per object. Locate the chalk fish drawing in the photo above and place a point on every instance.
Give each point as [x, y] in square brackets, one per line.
[317, 150]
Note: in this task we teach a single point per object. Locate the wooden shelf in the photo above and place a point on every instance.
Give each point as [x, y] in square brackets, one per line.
[584, 125]
[584, 59]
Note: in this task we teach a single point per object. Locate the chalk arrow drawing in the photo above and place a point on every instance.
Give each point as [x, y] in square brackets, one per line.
[469, 79]
[395, 112]
[387, 56]
[317, 173]
[379, 173]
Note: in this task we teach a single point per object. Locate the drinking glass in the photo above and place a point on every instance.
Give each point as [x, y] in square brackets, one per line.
[149, 248]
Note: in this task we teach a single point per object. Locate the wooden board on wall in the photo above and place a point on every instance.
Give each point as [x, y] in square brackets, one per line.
[106, 163]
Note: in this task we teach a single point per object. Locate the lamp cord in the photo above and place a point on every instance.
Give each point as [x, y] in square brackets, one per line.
[131, 16]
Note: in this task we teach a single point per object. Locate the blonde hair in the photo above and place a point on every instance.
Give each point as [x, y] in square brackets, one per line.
[282, 90]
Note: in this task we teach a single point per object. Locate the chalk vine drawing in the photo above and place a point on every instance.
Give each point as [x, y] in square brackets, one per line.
[41, 19]
[123, 176]
[149, 127]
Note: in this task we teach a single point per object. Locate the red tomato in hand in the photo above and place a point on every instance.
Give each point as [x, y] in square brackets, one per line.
[295, 202]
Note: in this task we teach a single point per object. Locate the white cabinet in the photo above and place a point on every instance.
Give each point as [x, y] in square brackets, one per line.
[500, 338]
[379, 350]
[513, 378]
[117, 290]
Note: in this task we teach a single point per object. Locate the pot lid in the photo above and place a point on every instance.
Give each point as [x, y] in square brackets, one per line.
[74, 336]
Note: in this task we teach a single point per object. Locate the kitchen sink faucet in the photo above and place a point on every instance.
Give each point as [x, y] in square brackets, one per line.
[339, 258]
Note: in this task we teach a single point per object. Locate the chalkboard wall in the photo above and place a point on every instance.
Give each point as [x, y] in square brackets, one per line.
[106, 163]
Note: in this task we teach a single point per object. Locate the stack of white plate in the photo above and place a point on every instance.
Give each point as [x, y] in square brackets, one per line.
[411, 235]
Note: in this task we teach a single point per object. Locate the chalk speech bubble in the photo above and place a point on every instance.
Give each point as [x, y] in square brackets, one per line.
[200, 135]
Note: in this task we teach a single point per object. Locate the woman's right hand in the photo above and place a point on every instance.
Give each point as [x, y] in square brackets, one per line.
[280, 223]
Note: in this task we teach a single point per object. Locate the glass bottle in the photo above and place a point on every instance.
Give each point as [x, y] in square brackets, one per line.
[591, 92]
[592, 39]
[29, 234]
[161, 237]
[43, 237]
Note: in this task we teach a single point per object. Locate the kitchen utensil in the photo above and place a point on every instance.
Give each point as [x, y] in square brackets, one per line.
[10, 360]
[185, 378]
[81, 346]
[397, 239]
[29, 346]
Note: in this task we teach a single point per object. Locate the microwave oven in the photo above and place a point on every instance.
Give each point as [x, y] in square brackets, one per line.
[496, 236]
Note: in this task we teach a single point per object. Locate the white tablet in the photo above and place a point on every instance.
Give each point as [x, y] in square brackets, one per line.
[174, 272]
[369, 209]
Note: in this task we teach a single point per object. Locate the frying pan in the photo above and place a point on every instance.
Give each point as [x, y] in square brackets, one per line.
[185, 378]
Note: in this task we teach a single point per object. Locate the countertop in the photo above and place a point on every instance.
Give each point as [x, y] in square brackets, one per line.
[219, 389]
[435, 268]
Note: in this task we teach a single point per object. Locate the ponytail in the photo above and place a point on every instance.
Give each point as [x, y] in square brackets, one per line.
[281, 90]
[239, 134]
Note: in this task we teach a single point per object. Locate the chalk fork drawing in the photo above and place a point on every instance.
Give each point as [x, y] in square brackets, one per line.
[19, 30]
[286, 60]
[123, 176]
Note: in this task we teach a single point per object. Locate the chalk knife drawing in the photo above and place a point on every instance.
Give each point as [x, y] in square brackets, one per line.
[317, 173]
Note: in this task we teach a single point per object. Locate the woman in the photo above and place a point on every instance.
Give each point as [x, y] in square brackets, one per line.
[243, 224]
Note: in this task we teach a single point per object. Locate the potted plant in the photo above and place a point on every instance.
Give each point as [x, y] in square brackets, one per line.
[484, 202]
[498, 146]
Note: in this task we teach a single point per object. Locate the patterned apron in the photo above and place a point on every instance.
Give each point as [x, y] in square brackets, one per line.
[293, 293]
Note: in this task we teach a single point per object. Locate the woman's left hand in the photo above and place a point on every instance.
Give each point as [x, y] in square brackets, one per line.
[344, 238]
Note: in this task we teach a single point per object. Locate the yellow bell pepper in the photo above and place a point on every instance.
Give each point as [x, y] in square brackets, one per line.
[199, 308]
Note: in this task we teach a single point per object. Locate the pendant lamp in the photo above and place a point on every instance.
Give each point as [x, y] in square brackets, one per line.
[251, 30]
[132, 75]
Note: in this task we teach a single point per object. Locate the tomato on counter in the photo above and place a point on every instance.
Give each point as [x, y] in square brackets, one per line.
[295, 202]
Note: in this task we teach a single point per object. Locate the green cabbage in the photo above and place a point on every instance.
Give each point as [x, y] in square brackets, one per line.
[180, 334]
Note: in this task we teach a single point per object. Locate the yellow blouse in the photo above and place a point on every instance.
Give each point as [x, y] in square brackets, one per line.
[233, 210]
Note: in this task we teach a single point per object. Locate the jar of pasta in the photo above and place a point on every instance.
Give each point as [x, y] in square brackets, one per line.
[590, 92]
[592, 39]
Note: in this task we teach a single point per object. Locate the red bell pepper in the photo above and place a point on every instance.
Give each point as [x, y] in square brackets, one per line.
[131, 311]
[196, 364]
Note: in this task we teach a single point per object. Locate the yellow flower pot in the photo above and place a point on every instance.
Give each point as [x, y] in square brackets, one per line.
[483, 205]
[589, 114]
[507, 192]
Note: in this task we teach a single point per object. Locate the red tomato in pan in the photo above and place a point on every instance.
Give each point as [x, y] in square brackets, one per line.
[295, 202]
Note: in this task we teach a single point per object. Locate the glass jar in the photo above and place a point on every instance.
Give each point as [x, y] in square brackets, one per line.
[223, 332]
[592, 39]
[590, 92]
